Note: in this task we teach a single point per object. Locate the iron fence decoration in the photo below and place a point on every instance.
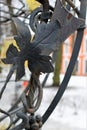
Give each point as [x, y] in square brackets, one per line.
[48, 36]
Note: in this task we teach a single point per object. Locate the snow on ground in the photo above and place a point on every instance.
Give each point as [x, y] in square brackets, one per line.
[70, 113]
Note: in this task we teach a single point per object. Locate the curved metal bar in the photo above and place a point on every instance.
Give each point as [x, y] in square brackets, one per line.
[28, 98]
[45, 4]
[24, 123]
[12, 113]
[8, 115]
[70, 68]
[73, 6]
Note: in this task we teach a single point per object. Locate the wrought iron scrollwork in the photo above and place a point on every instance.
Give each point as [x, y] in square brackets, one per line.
[54, 34]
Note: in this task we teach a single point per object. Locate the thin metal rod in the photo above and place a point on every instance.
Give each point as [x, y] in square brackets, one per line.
[73, 6]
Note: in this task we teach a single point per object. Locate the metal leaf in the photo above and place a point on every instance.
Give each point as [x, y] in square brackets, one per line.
[24, 36]
[63, 24]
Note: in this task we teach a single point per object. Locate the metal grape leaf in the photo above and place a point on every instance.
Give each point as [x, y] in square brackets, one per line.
[23, 34]
[69, 23]
[47, 38]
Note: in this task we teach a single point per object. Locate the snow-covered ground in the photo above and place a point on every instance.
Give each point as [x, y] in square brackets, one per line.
[70, 113]
[77, 81]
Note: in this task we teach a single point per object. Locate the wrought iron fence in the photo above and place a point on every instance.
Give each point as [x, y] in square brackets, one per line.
[31, 98]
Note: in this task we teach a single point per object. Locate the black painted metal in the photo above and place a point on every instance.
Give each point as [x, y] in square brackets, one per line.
[25, 119]
[70, 68]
